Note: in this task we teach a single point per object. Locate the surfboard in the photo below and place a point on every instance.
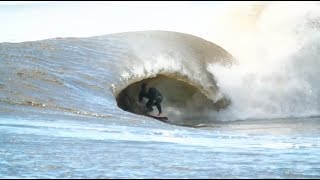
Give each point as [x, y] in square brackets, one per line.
[161, 118]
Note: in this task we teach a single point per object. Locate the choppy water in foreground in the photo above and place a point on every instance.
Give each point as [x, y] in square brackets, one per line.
[34, 146]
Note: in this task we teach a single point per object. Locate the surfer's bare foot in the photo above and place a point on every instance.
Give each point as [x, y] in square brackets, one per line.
[159, 114]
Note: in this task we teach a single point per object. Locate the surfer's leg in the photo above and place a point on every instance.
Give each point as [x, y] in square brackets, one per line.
[158, 104]
[149, 105]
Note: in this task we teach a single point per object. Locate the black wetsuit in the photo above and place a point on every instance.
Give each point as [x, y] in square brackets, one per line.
[154, 96]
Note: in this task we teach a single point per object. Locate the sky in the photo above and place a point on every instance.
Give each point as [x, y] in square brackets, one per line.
[36, 20]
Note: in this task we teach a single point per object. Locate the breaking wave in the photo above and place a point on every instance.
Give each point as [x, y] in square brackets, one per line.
[89, 76]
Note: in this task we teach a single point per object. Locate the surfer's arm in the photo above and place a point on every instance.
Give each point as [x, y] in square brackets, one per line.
[140, 97]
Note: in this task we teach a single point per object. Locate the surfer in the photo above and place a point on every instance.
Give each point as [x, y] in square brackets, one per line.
[153, 95]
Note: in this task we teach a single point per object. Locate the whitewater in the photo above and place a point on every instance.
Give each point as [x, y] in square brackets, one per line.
[242, 100]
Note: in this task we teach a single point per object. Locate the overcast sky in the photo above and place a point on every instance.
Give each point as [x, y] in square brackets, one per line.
[33, 20]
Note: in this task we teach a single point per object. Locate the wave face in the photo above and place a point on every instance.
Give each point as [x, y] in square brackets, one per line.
[277, 48]
[86, 76]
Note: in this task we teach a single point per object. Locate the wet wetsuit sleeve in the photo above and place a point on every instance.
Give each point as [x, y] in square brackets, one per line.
[140, 96]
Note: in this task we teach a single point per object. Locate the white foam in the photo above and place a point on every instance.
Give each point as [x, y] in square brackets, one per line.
[277, 48]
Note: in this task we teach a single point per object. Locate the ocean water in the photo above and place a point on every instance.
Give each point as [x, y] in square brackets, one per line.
[243, 103]
[37, 146]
